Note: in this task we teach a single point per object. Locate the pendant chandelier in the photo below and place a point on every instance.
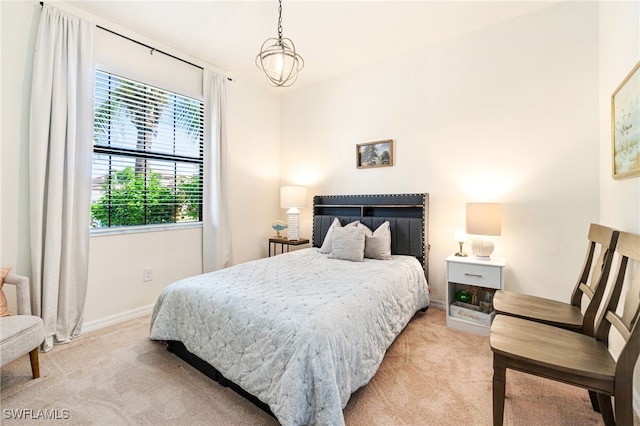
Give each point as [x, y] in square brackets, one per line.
[278, 58]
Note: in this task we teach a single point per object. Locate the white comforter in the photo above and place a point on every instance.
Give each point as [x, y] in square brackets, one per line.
[299, 331]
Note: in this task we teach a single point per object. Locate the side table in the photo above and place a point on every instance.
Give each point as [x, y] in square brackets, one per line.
[469, 273]
[283, 242]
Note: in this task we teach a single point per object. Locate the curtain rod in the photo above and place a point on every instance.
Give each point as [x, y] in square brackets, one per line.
[153, 49]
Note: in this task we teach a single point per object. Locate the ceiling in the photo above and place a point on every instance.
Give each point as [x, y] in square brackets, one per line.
[333, 37]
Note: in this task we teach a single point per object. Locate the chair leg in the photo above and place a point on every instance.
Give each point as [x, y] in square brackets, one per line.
[594, 401]
[499, 383]
[604, 401]
[623, 402]
[35, 365]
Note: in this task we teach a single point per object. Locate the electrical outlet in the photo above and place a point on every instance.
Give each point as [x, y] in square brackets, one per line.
[147, 274]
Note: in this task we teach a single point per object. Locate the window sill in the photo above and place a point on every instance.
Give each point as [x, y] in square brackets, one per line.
[99, 232]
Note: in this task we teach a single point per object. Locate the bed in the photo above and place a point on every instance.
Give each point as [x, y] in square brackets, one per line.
[298, 333]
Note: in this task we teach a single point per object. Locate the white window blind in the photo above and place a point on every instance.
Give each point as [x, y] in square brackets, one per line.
[148, 154]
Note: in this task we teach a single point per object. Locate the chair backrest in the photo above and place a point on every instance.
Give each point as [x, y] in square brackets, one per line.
[623, 306]
[594, 274]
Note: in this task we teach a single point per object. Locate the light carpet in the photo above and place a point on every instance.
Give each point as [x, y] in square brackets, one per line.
[431, 375]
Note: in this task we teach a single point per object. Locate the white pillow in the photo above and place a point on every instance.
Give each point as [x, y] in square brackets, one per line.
[348, 243]
[377, 244]
[326, 244]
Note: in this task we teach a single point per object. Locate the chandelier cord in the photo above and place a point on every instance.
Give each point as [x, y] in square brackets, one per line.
[280, 20]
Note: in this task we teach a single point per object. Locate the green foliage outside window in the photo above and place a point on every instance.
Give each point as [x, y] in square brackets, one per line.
[127, 202]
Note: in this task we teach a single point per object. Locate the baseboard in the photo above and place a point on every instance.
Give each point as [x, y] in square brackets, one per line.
[437, 304]
[116, 319]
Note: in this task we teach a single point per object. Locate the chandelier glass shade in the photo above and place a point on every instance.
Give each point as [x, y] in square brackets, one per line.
[278, 58]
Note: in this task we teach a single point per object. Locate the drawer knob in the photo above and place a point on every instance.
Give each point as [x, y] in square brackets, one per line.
[473, 275]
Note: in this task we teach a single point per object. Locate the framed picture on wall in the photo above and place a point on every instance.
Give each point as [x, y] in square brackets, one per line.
[625, 126]
[374, 154]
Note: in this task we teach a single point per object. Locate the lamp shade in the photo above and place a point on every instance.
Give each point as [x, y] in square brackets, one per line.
[459, 235]
[293, 196]
[484, 218]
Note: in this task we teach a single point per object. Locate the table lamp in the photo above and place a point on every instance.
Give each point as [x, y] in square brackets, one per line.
[483, 219]
[292, 198]
[460, 237]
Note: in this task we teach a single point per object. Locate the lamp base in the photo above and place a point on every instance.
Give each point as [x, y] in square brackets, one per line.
[461, 253]
[293, 220]
[482, 248]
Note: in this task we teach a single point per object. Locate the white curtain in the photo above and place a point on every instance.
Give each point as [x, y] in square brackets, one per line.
[216, 232]
[61, 134]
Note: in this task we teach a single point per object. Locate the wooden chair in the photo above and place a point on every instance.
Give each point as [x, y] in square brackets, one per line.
[570, 316]
[574, 316]
[579, 359]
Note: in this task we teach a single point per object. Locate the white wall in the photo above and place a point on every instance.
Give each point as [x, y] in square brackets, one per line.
[115, 285]
[507, 114]
[17, 43]
[619, 53]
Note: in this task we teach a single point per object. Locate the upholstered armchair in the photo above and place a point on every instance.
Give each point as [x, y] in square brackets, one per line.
[22, 332]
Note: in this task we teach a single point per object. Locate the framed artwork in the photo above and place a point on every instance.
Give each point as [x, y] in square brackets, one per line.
[374, 154]
[625, 126]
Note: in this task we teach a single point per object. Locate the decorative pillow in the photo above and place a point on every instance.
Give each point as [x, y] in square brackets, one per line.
[348, 244]
[4, 310]
[377, 244]
[326, 244]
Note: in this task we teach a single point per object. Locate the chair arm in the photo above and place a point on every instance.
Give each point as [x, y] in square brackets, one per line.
[22, 292]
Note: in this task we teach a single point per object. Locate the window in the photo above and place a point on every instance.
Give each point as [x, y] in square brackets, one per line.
[147, 155]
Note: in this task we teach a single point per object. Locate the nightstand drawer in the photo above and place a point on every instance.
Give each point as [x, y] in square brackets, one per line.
[478, 275]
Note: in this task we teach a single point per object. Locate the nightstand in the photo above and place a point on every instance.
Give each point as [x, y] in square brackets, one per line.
[480, 277]
[273, 242]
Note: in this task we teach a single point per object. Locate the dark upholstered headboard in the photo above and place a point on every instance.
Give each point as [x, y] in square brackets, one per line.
[408, 216]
